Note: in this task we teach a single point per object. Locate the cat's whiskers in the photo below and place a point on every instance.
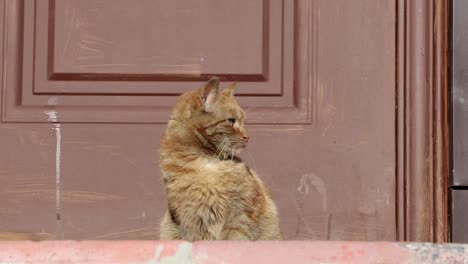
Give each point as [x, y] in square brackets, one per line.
[246, 111]
[221, 148]
[221, 151]
[226, 150]
[250, 157]
[217, 153]
[218, 149]
[232, 155]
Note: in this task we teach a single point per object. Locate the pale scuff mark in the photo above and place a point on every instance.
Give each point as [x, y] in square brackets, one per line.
[72, 197]
[318, 184]
[182, 68]
[289, 129]
[319, 93]
[86, 47]
[328, 118]
[97, 39]
[183, 255]
[71, 14]
[389, 172]
[123, 65]
[52, 101]
[146, 232]
[173, 58]
[52, 116]
[92, 45]
[26, 236]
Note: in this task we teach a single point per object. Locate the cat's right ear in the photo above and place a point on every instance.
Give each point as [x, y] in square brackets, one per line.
[210, 94]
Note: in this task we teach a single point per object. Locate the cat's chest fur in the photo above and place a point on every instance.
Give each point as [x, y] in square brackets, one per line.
[209, 180]
[208, 172]
[218, 167]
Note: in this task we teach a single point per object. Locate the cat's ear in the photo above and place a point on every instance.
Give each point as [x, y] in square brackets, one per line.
[210, 94]
[229, 91]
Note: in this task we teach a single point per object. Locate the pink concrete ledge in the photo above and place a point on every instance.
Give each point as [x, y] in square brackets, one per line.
[153, 252]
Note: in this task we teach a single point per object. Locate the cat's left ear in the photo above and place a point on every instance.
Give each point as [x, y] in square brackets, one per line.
[210, 94]
[229, 91]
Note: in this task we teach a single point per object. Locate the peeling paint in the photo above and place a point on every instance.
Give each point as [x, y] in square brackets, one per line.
[183, 255]
[437, 253]
[52, 116]
[318, 184]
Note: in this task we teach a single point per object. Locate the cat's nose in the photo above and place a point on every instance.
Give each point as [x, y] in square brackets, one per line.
[246, 138]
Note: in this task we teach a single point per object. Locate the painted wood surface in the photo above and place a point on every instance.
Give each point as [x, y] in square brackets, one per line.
[87, 86]
[171, 252]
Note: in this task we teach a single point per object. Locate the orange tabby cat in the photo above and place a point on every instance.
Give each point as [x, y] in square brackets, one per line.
[212, 194]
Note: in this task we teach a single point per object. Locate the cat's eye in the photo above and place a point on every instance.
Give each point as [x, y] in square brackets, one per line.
[231, 121]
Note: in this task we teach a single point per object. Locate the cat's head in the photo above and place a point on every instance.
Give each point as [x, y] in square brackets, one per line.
[214, 117]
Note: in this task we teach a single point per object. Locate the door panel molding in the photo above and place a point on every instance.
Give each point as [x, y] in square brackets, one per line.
[422, 120]
[43, 62]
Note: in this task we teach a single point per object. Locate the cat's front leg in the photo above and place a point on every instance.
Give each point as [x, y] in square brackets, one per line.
[231, 233]
[168, 229]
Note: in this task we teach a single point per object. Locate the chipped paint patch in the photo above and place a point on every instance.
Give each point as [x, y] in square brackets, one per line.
[317, 183]
[182, 255]
[52, 116]
[437, 253]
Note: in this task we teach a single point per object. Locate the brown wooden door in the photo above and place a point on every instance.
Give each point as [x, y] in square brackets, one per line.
[87, 87]
[459, 78]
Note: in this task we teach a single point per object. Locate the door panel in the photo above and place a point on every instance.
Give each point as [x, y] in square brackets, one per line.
[459, 216]
[75, 56]
[87, 87]
[459, 78]
[460, 87]
[96, 37]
